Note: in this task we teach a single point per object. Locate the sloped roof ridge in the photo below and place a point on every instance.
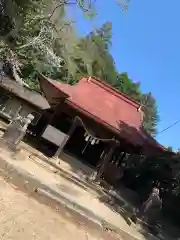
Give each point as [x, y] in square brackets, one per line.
[111, 89]
[102, 84]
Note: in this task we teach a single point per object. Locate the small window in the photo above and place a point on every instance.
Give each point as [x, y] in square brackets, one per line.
[37, 116]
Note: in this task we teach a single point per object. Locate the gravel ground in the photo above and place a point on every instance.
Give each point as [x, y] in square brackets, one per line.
[24, 214]
[25, 218]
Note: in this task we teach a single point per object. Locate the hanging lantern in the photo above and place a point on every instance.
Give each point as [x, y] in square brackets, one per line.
[93, 141]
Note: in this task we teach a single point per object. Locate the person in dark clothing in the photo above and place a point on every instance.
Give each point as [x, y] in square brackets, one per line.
[151, 207]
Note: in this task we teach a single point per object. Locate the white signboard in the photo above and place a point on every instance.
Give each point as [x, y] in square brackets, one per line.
[53, 135]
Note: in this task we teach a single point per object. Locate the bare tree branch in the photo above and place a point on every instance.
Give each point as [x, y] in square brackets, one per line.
[59, 6]
[76, 2]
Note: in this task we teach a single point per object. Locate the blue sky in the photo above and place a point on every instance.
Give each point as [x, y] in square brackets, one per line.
[146, 44]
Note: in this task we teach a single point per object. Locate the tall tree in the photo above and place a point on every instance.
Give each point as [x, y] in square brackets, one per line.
[46, 41]
[151, 117]
[97, 45]
[35, 17]
[125, 85]
[169, 149]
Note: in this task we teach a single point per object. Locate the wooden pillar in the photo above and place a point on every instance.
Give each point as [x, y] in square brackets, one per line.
[63, 143]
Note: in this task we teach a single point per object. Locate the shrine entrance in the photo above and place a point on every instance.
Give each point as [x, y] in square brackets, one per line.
[83, 148]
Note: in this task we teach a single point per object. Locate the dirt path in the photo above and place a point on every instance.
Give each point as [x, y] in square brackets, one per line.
[22, 217]
[25, 218]
[24, 214]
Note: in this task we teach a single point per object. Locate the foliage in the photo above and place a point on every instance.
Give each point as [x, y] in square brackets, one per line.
[162, 171]
[46, 42]
[13, 12]
[151, 116]
[125, 85]
[37, 37]
[97, 44]
[170, 149]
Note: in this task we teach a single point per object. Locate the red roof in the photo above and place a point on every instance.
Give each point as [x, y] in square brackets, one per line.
[107, 105]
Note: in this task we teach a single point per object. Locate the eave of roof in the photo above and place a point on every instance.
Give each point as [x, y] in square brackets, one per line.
[24, 93]
[136, 137]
